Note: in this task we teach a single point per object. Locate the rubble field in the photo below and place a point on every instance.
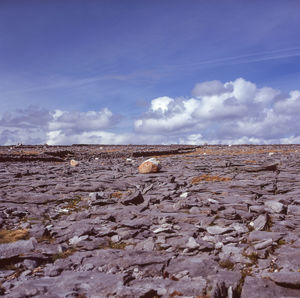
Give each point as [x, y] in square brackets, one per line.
[215, 221]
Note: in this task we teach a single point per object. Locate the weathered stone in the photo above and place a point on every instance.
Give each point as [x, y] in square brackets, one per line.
[151, 165]
[192, 243]
[259, 224]
[263, 244]
[274, 206]
[286, 279]
[15, 249]
[293, 210]
[216, 230]
[135, 198]
[256, 288]
[263, 235]
[74, 163]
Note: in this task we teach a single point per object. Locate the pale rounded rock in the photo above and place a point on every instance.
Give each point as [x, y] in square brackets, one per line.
[151, 165]
[74, 163]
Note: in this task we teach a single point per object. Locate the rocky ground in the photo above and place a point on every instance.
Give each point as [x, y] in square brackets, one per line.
[216, 221]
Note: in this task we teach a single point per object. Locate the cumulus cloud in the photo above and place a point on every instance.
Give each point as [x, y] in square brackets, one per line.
[234, 112]
[74, 122]
[231, 112]
[26, 125]
[58, 137]
[210, 88]
[34, 125]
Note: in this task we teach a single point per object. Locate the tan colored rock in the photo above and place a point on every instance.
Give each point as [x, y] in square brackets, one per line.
[74, 163]
[151, 165]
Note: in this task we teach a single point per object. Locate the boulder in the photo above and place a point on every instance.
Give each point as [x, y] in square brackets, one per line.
[151, 165]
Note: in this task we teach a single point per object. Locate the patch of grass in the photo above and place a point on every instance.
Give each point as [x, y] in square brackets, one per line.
[175, 293]
[46, 238]
[253, 257]
[63, 255]
[114, 245]
[209, 178]
[227, 264]
[7, 236]
[117, 195]
[72, 204]
[281, 242]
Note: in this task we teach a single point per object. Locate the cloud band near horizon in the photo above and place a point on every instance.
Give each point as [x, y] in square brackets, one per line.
[235, 112]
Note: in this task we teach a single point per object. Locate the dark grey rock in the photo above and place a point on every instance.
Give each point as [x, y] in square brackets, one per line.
[14, 249]
[259, 224]
[293, 210]
[135, 198]
[256, 288]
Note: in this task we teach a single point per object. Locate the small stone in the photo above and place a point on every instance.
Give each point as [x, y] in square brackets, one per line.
[293, 210]
[260, 222]
[194, 210]
[219, 245]
[88, 267]
[274, 206]
[212, 201]
[192, 243]
[216, 230]
[151, 165]
[135, 198]
[286, 279]
[74, 163]
[75, 240]
[263, 244]
[115, 238]
[164, 228]
[184, 195]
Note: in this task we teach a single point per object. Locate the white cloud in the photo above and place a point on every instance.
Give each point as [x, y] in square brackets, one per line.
[210, 88]
[58, 137]
[34, 125]
[234, 112]
[74, 122]
[161, 104]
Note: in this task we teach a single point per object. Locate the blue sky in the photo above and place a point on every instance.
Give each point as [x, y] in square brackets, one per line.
[66, 58]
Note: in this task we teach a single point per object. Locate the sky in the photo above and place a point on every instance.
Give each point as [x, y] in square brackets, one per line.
[149, 72]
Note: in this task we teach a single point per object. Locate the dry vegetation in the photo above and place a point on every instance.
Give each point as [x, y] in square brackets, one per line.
[209, 178]
[7, 236]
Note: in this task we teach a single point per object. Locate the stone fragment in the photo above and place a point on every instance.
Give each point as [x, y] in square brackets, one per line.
[260, 222]
[167, 228]
[293, 210]
[14, 249]
[135, 198]
[192, 243]
[151, 165]
[286, 279]
[75, 240]
[274, 206]
[240, 228]
[146, 245]
[257, 287]
[263, 235]
[194, 210]
[216, 230]
[263, 244]
[74, 163]
[115, 238]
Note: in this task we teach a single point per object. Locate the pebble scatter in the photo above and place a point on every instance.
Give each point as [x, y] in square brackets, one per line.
[210, 221]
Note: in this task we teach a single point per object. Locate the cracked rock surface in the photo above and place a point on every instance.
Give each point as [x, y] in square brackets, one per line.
[215, 221]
